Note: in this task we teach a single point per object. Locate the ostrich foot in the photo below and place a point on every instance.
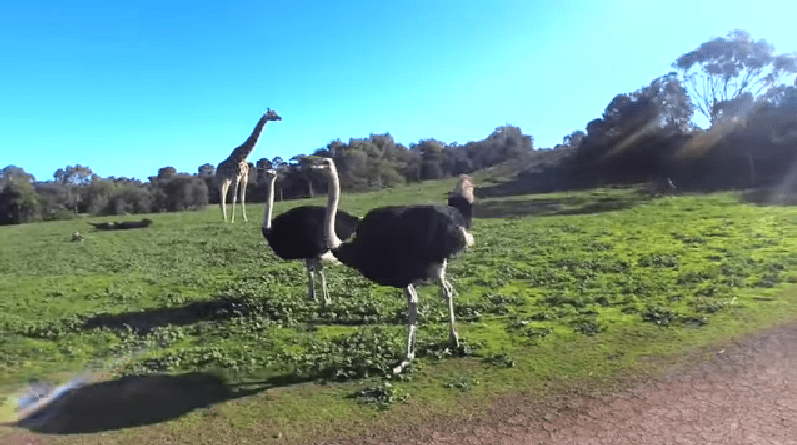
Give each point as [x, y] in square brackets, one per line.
[400, 368]
[454, 338]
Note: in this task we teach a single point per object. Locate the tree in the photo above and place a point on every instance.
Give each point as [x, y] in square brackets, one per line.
[19, 202]
[262, 165]
[434, 158]
[14, 173]
[167, 172]
[282, 170]
[206, 170]
[76, 175]
[723, 69]
[70, 177]
[297, 169]
[571, 141]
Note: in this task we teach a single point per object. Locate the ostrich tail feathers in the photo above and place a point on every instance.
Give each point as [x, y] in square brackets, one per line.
[468, 237]
[327, 257]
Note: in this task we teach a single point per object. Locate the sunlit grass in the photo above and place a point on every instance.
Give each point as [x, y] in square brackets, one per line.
[559, 293]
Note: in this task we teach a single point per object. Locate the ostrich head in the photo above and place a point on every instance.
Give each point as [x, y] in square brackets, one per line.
[320, 163]
[270, 174]
[271, 115]
[464, 188]
[327, 168]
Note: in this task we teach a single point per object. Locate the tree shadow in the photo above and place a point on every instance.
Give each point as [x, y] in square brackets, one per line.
[554, 206]
[124, 225]
[507, 188]
[131, 401]
[770, 196]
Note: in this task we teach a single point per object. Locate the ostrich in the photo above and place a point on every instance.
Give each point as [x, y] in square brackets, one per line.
[299, 234]
[400, 246]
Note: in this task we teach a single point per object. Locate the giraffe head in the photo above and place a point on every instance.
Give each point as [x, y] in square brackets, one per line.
[271, 115]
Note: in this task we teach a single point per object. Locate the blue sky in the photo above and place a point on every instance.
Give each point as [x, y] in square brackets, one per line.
[129, 87]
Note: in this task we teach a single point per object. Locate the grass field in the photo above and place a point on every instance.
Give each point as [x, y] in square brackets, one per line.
[557, 286]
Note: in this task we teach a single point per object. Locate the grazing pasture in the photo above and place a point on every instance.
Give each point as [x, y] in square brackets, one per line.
[557, 286]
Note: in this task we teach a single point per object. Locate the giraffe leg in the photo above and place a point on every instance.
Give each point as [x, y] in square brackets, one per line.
[234, 198]
[324, 292]
[310, 280]
[223, 198]
[412, 315]
[448, 295]
[243, 194]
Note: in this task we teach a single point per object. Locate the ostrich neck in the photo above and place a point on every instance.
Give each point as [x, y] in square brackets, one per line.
[269, 205]
[332, 209]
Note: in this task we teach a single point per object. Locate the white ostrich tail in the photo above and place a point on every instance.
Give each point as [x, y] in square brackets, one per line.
[327, 257]
[468, 237]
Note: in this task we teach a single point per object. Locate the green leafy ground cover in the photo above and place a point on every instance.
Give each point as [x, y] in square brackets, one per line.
[585, 285]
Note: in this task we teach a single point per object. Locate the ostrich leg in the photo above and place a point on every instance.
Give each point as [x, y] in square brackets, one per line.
[447, 292]
[324, 292]
[310, 279]
[412, 307]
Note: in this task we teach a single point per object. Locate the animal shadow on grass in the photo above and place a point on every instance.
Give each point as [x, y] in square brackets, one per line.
[219, 309]
[129, 402]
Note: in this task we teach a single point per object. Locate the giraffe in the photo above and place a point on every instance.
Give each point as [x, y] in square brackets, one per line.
[235, 169]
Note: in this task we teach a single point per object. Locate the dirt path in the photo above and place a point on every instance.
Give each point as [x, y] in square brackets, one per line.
[746, 394]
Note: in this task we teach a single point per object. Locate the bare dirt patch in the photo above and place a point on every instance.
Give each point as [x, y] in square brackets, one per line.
[743, 394]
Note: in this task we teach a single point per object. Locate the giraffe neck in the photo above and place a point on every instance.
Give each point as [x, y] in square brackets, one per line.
[243, 150]
[269, 204]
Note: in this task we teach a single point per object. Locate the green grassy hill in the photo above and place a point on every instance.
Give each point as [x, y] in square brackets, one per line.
[558, 286]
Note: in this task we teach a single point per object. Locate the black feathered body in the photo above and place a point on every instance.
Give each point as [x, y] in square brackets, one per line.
[464, 206]
[397, 246]
[299, 232]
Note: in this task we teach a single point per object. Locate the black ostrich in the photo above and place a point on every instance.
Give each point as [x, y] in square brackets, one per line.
[298, 234]
[400, 246]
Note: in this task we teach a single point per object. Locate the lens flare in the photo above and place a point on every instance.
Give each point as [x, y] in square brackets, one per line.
[26, 404]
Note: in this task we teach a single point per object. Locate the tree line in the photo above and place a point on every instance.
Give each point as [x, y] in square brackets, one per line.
[367, 163]
[746, 91]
